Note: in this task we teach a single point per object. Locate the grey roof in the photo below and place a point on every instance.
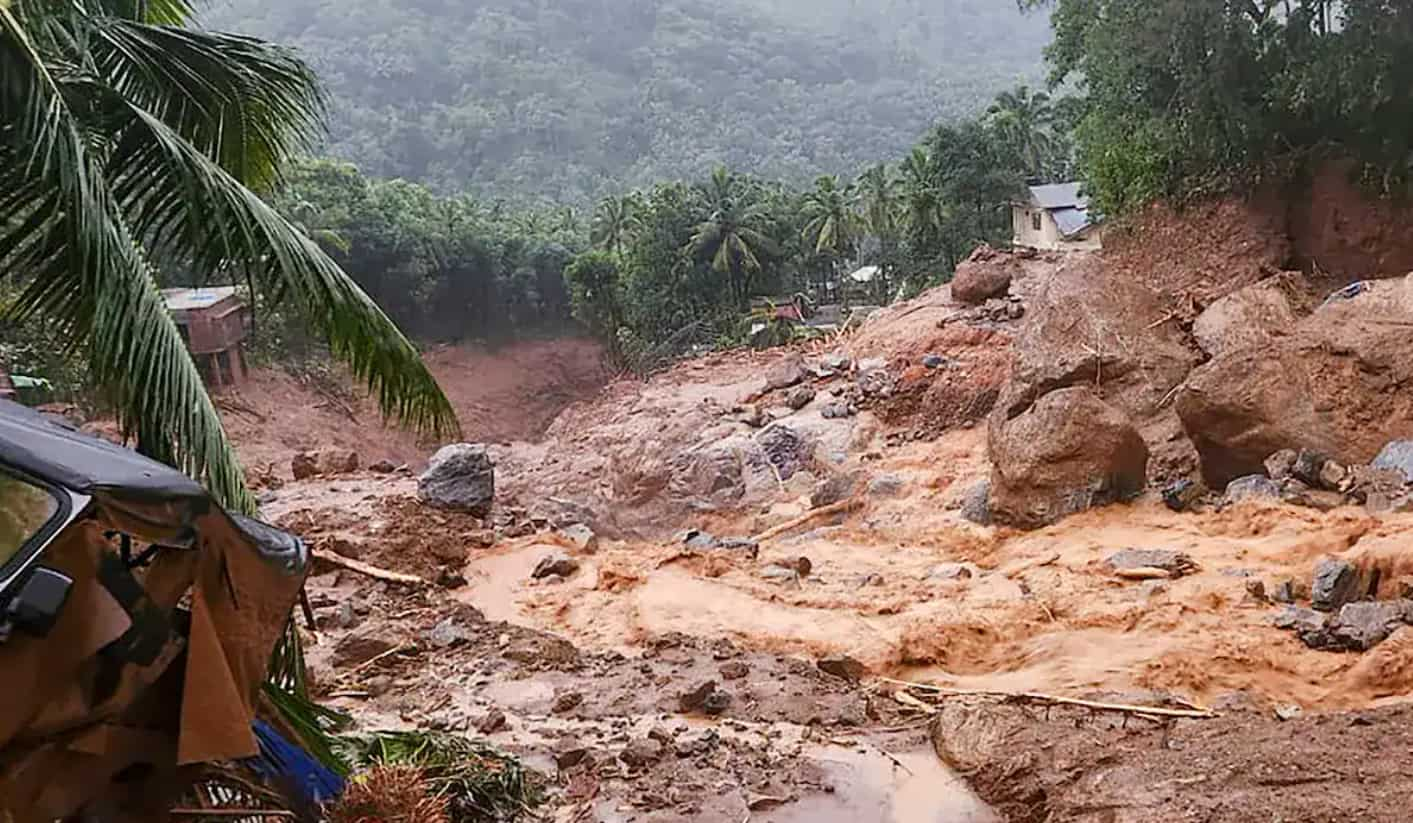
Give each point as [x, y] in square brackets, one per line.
[188, 299]
[1071, 221]
[1058, 196]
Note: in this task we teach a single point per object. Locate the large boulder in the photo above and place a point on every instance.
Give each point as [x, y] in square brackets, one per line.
[1255, 314]
[460, 477]
[1341, 385]
[982, 276]
[1087, 324]
[1067, 452]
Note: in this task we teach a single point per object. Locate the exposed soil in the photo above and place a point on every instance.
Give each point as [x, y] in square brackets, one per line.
[510, 393]
[873, 558]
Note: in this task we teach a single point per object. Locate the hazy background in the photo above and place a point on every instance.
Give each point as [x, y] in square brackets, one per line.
[572, 99]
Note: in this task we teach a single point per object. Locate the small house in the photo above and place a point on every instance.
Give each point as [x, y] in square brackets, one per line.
[1056, 218]
[214, 322]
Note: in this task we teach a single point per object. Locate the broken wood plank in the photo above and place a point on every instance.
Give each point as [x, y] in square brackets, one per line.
[808, 517]
[1155, 711]
[368, 569]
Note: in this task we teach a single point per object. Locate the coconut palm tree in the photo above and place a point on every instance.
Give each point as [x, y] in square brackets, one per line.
[733, 236]
[922, 200]
[614, 223]
[130, 143]
[831, 227]
[1025, 121]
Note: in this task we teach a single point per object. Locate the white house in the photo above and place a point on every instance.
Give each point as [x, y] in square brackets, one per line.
[1056, 218]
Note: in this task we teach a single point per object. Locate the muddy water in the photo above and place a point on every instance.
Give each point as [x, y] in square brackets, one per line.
[916, 788]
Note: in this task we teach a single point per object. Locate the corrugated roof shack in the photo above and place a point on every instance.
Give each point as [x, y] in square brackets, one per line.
[1056, 218]
[214, 322]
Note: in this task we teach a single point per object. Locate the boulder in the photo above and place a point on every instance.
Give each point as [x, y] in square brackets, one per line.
[976, 504]
[460, 477]
[1251, 487]
[982, 276]
[338, 461]
[787, 372]
[799, 397]
[581, 536]
[1066, 453]
[555, 563]
[303, 465]
[1251, 315]
[382, 467]
[356, 649]
[1397, 455]
[1090, 325]
[1362, 626]
[843, 667]
[1336, 583]
[1331, 387]
[786, 449]
[1175, 563]
[835, 489]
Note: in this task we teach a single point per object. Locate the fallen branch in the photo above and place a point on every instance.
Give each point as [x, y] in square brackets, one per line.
[369, 570]
[1156, 711]
[808, 517]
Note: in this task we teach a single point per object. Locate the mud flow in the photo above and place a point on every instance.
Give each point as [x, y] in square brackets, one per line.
[1067, 551]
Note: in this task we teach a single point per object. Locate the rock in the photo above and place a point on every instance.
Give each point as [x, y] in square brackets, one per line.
[1181, 495]
[493, 722]
[1307, 467]
[1175, 563]
[802, 566]
[837, 411]
[382, 467]
[976, 506]
[743, 545]
[979, 279]
[1284, 592]
[779, 573]
[541, 650]
[449, 578]
[1314, 498]
[1362, 626]
[876, 382]
[1281, 464]
[933, 361]
[1336, 583]
[459, 477]
[557, 563]
[642, 753]
[566, 702]
[1256, 590]
[837, 362]
[1252, 315]
[885, 485]
[344, 547]
[356, 649]
[799, 397]
[344, 617]
[338, 461]
[695, 698]
[716, 703]
[735, 670]
[871, 579]
[1301, 620]
[378, 685]
[835, 489]
[1289, 711]
[454, 554]
[446, 634]
[1398, 455]
[789, 371]
[1014, 310]
[303, 465]
[786, 449]
[1250, 487]
[582, 537]
[1333, 476]
[1068, 452]
[482, 538]
[949, 571]
[1326, 387]
[570, 753]
[696, 539]
[843, 667]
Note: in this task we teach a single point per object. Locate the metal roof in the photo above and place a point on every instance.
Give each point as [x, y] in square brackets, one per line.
[191, 299]
[1071, 221]
[1058, 196]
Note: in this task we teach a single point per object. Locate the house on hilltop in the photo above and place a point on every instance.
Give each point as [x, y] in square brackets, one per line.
[1056, 218]
[214, 322]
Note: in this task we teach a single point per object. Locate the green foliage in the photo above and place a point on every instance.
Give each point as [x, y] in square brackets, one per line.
[479, 783]
[1186, 97]
[573, 100]
[129, 146]
[441, 267]
[595, 294]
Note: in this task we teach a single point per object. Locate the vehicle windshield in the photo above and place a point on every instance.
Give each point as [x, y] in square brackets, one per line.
[24, 509]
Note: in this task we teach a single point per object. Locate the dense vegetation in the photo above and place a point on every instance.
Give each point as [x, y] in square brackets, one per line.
[1186, 97]
[570, 100]
[676, 263]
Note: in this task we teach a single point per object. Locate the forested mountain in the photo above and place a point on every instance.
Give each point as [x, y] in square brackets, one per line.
[568, 100]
